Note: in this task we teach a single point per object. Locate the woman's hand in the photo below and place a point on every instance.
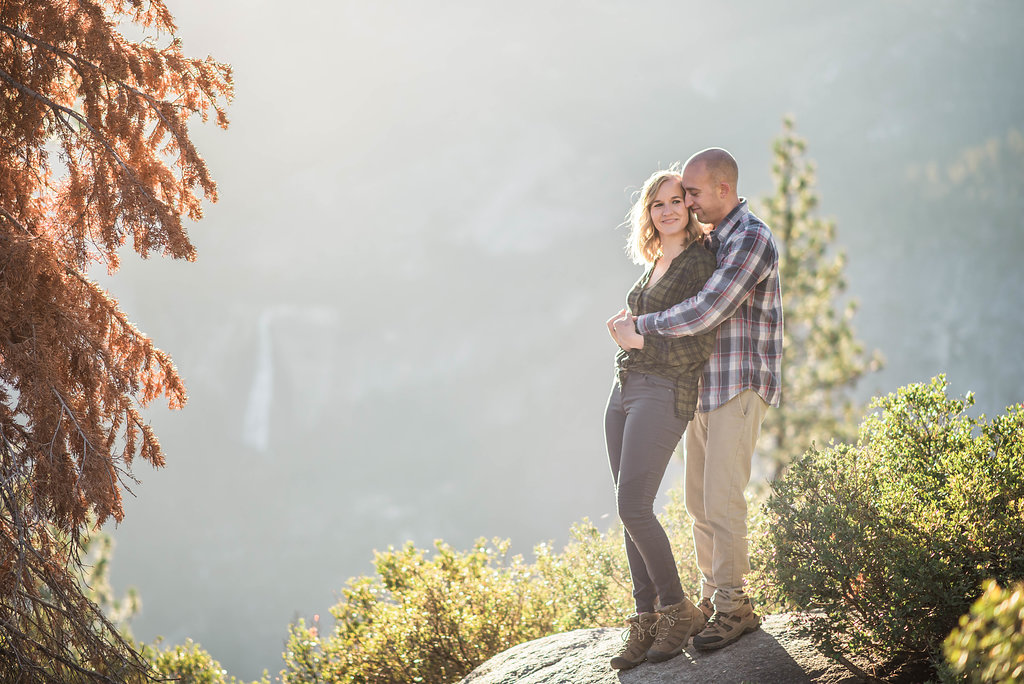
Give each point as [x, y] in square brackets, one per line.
[611, 325]
[625, 334]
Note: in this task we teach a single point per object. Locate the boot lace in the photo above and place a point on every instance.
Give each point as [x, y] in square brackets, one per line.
[661, 635]
[634, 627]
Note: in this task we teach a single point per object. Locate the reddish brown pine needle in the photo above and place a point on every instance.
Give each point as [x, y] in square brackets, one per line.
[94, 152]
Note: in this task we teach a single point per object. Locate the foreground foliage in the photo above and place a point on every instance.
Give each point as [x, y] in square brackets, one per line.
[886, 543]
[433, 618]
[188, 663]
[988, 645]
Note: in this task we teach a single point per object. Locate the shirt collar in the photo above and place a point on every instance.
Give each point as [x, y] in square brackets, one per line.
[731, 220]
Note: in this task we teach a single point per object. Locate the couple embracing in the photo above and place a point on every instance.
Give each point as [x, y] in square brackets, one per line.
[700, 352]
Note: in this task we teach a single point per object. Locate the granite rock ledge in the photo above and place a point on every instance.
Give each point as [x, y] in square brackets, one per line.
[771, 655]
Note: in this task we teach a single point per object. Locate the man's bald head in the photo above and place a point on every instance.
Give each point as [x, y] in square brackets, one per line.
[709, 179]
[719, 163]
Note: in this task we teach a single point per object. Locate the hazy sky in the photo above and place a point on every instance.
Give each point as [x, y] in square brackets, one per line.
[395, 326]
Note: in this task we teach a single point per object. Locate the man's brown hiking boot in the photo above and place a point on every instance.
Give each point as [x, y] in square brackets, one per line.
[676, 624]
[725, 628]
[638, 638]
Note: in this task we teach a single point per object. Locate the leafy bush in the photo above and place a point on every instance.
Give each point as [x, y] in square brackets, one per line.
[423, 619]
[886, 543]
[429, 619]
[433, 619]
[188, 664]
[988, 646]
[590, 580]
[588, 583]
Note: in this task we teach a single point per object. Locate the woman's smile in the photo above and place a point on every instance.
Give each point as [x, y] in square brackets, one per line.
[668, 209]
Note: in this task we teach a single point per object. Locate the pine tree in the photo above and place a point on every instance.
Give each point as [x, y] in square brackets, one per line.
[94, 152]
[822, 360]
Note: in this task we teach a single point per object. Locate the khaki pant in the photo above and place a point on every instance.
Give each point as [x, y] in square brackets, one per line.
[719, 450]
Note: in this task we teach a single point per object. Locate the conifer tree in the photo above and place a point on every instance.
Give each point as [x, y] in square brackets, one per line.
[94, 152]
[822, 360]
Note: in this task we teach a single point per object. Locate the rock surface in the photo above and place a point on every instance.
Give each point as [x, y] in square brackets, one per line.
[771, 655]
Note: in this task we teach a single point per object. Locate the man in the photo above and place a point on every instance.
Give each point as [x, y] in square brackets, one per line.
[740, 381]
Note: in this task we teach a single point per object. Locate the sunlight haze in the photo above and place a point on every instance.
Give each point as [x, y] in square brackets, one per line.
[395, 327]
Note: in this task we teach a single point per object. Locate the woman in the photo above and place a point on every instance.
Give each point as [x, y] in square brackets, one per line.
[652, 399]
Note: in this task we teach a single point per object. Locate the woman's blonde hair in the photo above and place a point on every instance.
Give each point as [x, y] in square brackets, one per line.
[644, 244]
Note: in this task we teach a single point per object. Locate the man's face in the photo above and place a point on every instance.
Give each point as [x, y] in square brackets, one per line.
[702, 193]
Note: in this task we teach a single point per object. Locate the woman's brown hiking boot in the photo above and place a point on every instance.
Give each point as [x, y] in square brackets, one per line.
[676, 624]
[638, 638]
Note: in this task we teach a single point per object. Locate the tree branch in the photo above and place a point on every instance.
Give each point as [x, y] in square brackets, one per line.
[77, 62]
[59, 109]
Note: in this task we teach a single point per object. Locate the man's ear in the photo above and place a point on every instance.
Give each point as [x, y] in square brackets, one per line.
[723, 190]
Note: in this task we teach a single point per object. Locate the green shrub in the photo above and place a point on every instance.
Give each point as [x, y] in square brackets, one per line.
[886, 543]
[588, 583]
[679, 527]
[433, 619]
[188, 664]
[589, 580]
[988, 646]
[423, 619]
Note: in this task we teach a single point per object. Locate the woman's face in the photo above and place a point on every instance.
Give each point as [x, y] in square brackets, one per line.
[668, 209]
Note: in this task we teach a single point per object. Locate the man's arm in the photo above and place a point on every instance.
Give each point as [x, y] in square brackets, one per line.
[750, 260]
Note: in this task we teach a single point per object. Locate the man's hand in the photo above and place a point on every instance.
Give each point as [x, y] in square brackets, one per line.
[624, 332]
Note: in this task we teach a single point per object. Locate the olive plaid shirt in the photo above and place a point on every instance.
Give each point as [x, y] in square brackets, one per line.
[679, 359]
[743, 301]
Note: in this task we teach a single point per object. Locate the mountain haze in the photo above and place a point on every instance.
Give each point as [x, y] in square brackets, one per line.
[395, 329]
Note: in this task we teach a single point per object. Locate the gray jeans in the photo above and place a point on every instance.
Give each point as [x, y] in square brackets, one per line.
[641, 431]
